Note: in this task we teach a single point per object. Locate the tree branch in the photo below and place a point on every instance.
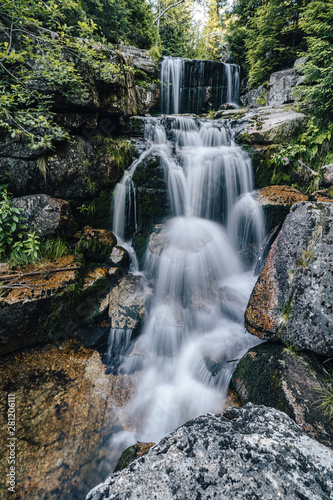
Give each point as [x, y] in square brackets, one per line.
[166, 10]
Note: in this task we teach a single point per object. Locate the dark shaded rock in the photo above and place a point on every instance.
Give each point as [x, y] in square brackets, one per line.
[251, 452]
[128, 302]
[96, 244]
[276, 202]
[152, 201]
[303, 174]
[119, 257]
[46, 216]
[272, 375]
[327, 175]
[291, 300]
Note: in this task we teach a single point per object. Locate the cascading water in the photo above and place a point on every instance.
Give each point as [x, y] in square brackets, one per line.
[195, 86]
[193, 334]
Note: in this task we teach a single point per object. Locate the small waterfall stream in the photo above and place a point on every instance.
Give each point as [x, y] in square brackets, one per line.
[193, 334]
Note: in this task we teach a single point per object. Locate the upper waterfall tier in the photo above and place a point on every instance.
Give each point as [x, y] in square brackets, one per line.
[195, 86]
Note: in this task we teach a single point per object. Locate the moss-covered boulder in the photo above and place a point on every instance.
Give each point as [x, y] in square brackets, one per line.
[96, 244]
[131, 453]
[293, 382]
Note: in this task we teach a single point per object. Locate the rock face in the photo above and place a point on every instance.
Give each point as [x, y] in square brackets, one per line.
[27, 297]
[291, 300]
[270, 125]
[46, 216]
[251, 452]
[64, 407]
[253, 97]
[272, 375]
[276, 202]
[128, 303]
[281, 84]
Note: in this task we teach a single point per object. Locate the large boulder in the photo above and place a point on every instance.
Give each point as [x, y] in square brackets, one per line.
[46, 216]
[281, 84]
[273, 375]
[96, 244]
[270, 125]
[251, 452]
[292, 299]
[64, 406]
[327, 175]
[253, 97]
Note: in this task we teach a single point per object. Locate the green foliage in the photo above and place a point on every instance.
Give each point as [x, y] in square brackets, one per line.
[325, 399]
[11, 226]
[318, 71]
[265, 36]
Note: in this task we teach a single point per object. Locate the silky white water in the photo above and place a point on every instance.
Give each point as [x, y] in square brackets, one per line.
[193, 334]
[201, 278]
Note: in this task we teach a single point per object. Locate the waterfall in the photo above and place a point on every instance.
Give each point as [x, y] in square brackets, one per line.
[193, 333]
[195, 86]
[171, 84]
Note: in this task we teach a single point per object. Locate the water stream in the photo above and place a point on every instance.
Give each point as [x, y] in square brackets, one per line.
[202, 275]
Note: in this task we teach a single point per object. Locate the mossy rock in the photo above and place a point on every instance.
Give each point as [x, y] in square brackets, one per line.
[96, 244]
[276, 376]
[131, 453]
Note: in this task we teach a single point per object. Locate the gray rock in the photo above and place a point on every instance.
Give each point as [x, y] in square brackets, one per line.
[281, 84]
[292, 299]
[248, 453]
[119, 257]
[128, 302]
[46, 216]
[141, 58]
[157, 240]
[269, 125]
[327, 175]
[253, 97]
[303, 175]
[273, 375]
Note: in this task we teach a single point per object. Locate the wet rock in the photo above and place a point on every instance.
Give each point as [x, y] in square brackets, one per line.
[26, 297]
[291, 300]
[46, 216]
[96, 244]
[157, 240]
[254, 450]
[119, 257]
[276, 202]
[64, 411]
[272, 375]
[327, 175]
[151, 193]
[281, 84]
[128, 302]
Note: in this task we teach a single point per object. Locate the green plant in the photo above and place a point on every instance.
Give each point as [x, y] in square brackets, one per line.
[306, 258]
[53, 248]
[325, 399]
[11, 226]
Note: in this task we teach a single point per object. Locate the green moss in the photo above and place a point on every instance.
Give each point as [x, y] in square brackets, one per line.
[127, 457]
